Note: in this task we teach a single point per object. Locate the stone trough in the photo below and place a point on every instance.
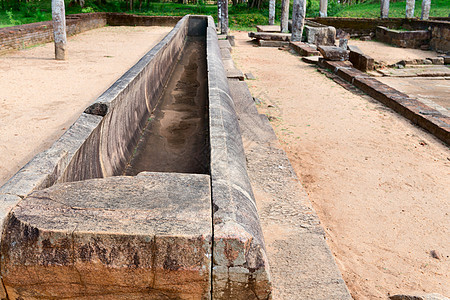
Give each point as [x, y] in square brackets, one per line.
[146, 195]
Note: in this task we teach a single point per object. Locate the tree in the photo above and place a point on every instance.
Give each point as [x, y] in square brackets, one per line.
[298, 19]
[384, 9]
[271, 12]
[323, 8]
[410, 8]
[426, 4]
[284, 15]
[59, 28]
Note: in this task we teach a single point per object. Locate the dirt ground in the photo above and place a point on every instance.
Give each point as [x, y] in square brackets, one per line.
[40, 97]
[379, 184]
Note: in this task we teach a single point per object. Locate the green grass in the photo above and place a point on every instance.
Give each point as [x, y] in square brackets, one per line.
[439, 8]
[240, 17]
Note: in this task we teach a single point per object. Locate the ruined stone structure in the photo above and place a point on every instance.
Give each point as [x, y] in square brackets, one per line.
[74, 226]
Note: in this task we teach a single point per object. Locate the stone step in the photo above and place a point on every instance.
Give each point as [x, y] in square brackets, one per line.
[270, 36]
[146, 236]
[304, 49]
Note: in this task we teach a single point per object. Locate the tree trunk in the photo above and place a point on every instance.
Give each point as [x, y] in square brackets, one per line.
[284, 15]
[323, 8]
[298, 19]
[59, 28]
[426, 4]
[131, 5]
[384, 9]
[410, 8]
[271, 12]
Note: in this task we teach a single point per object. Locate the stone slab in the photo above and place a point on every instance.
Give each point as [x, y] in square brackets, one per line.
[264, 43]
[311, 59]
[146, 236]
[225, 44]
[268, 28]
[333, 53]
[304, 49]
[418, 71]
[270, 36]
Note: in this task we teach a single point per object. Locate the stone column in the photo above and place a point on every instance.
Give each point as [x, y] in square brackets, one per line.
[59, 28]
[426, 4]
[298, 19]
[410, 8]
[384, 9]
[284, 15]
[323, 8]
[271, 12]
[224, 10]
[219, 15]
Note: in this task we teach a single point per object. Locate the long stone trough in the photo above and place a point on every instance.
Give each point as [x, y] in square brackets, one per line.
[146, 196]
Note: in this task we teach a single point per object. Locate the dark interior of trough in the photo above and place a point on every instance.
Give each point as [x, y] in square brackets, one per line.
[176, 137]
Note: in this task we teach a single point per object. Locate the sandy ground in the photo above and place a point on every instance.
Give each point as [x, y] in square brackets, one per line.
[379, 184]
[40, 97]
[388, 54]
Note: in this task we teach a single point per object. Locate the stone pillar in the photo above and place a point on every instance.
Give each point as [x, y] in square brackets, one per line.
[410, 8]
[284, 15]
[323, 8]
[219, 15]
[298, 19]
[271, 12]
[384, 9]
[426, 4]
[224, 19]
[59, 28]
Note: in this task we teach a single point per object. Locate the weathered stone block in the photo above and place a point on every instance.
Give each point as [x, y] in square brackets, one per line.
[333, 53]
[320, 35]
[145, 236]
[263, 43]
[361, 61]
[304, 49]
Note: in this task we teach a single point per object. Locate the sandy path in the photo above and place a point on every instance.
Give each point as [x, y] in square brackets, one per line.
[40, 97]
[388, 54]
[379, 184]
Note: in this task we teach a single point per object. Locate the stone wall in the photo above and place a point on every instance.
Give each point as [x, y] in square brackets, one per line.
[23, 36]
[404, 39]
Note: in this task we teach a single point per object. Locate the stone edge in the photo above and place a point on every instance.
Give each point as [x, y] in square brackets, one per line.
[240, 264]
[415, 111]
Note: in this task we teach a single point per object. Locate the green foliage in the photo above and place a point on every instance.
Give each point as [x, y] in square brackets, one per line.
[11, 19]
[87, 9]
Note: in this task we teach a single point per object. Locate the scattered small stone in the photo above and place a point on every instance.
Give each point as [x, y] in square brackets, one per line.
[418, 296]
[436, 60]
[427, 62]
[270, 105]
[249, 76]
[365, 38]
[425, 47]
[435, 254]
